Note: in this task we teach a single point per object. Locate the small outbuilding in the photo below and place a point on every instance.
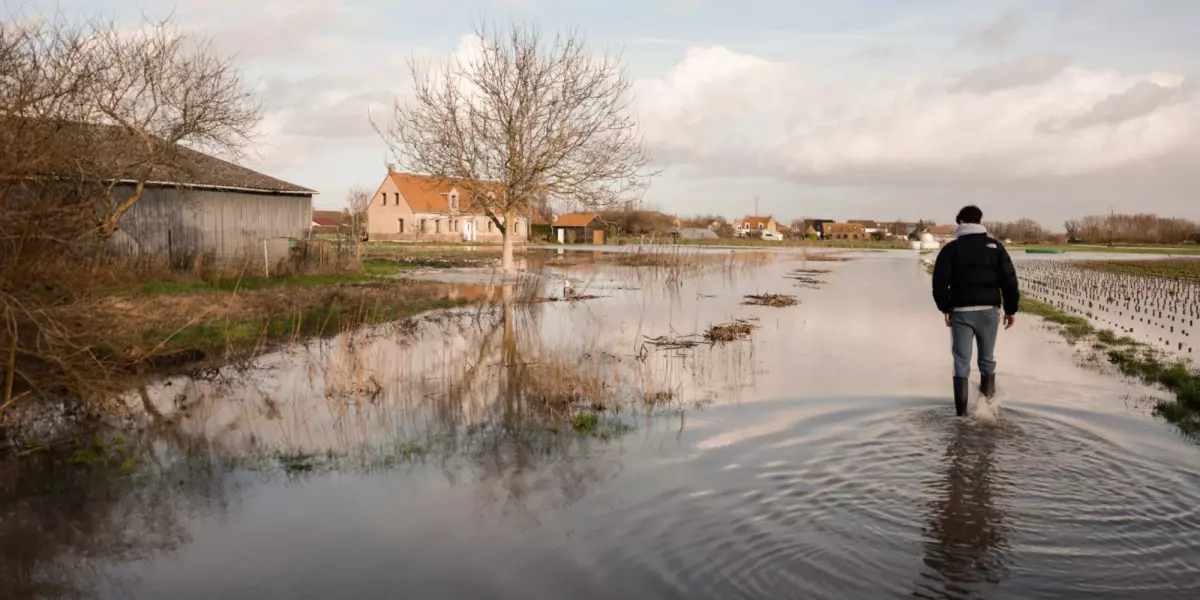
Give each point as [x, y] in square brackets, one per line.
[580, 228]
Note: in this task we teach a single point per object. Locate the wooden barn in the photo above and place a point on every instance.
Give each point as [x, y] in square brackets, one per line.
[580, 228]
[195, 205]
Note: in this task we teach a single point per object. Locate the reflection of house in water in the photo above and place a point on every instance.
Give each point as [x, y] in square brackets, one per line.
[482, 292]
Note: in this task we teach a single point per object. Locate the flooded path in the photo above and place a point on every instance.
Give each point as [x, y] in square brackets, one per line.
[819, 459]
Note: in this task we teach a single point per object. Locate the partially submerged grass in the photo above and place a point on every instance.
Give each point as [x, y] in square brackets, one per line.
[1181, 269]
[1134, 359]
[215, 336]
[1073, 328]
[771, 300]
[1145, 249]
[730, 332]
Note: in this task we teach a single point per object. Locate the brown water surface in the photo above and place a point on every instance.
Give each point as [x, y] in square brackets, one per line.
[819, 459]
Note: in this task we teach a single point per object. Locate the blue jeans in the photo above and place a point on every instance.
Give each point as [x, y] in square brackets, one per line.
[981, 327]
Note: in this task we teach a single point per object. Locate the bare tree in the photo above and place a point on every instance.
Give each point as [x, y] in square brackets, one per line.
[800, 227]
[1073, 228]
[357, 200]
[521, 118]
[163, 89]
[73, 96]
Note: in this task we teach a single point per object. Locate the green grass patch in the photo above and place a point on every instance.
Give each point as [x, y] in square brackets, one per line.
[248, 284]
[1183, 250]
[385, 268]
[321, 320]
[1073, 327]
[1179, 269]
[585, 422]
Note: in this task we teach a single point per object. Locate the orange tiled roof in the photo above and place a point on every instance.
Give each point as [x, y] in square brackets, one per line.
[426, 193]
[575, 219]
[942, 229]
[843, 228]
[755, 221]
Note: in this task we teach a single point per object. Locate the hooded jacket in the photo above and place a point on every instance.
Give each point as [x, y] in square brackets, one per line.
[975, 270]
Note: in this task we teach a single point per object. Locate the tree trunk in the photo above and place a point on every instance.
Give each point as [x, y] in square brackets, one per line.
[507, 263]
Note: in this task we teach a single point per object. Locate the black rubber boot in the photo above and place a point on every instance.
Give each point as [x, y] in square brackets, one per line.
[987, 385]
[962, 388]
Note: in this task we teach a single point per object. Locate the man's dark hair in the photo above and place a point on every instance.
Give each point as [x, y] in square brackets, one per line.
[970, 214]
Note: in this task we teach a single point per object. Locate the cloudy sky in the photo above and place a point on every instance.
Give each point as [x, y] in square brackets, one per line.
[851, 109]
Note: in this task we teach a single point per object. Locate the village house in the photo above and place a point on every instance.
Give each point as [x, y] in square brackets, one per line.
[818, 225]
[845, 231]
[755, 226]
[580, 228]
[942, 234]
[418, 208]
[326, 221]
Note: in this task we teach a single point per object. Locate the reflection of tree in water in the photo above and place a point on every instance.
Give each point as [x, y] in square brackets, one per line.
[64, 526]
[965, 542]
[487, 411]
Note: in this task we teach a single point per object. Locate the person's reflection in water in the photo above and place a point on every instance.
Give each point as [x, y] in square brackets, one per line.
[965, 545]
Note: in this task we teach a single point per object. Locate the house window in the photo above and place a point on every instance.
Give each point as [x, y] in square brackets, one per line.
[384, 195]
[423, 228]
[489, 225]
[437, 226]
[401, 225]
[397, 198]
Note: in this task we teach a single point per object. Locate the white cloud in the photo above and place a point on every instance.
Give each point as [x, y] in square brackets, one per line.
[737, 114]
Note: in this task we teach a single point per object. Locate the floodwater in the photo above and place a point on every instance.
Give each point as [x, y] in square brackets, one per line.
[819, 459]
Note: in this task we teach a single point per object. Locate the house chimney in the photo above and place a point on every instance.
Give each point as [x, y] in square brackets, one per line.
[391, 168]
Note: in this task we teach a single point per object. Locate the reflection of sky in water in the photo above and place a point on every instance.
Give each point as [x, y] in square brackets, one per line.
[827, 466]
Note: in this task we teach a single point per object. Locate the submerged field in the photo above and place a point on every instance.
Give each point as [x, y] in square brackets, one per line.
[683, 423]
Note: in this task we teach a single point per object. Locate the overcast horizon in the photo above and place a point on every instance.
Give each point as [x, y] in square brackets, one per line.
[870, 109]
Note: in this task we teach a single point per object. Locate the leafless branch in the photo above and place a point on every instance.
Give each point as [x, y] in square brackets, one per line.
[521, 119]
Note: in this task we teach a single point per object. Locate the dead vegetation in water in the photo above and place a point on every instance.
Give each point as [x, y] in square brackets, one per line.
[739, 329]
[807, 277]
[822, 257]
[771, 300]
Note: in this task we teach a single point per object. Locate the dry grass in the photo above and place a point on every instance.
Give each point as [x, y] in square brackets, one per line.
[740, 329]
[771, 300]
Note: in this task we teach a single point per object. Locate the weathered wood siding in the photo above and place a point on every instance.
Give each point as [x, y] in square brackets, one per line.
[180, 224]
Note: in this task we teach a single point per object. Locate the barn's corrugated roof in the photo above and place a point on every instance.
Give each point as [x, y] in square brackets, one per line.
[112, 153]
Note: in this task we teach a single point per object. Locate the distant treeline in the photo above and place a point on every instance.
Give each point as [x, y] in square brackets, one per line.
[1100, 229]
[1133, 229]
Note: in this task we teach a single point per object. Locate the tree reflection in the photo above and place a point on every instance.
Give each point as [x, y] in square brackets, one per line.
[63, 526]
[965, 543]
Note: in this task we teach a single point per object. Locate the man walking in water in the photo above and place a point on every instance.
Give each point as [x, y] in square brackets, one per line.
[972, 280]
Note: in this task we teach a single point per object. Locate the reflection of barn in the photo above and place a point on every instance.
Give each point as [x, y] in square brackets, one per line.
[579, 228]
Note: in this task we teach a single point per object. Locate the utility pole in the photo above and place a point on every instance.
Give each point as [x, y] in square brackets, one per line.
[1111, 218]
